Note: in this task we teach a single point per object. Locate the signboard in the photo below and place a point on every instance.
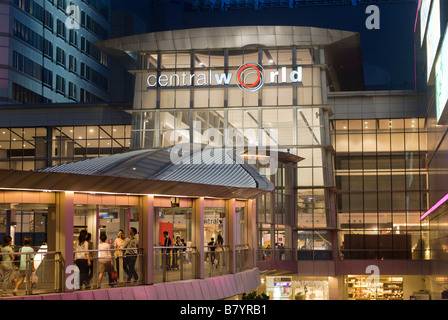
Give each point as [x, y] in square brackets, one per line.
[441, 78]
[249, 77]
[432, 37]
[165, 226]
[424, 11]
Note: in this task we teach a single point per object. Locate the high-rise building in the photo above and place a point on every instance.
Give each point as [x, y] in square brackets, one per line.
[48, 53]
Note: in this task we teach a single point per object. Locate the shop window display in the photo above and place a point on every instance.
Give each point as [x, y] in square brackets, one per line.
[363, 288]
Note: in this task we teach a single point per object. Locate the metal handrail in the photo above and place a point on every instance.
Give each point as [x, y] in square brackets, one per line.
[35, 252]
[30, 266]
[172, 252]
[97, 250]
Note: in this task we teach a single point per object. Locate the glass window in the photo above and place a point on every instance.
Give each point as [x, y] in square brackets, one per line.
[183, 60]
[236, 58]
[355, 143]
[168, 60]
[235, 97]
[216, 98]
[177, 221]
[216, 59]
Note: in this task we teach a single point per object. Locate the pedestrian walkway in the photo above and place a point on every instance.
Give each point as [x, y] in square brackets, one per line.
[203, 289]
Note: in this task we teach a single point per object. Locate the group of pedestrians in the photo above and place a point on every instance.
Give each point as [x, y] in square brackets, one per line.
[172, 256]
[215, 247]
[124, 256]
[24, 264]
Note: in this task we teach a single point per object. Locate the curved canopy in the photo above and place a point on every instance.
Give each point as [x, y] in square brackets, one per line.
[206, 172]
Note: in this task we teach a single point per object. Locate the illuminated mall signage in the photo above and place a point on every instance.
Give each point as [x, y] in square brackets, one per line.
[432, 37]
[441, 75]
[250, 77]
[424, 13]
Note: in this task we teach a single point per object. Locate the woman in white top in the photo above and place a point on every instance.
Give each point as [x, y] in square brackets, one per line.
[82, 258]
[6, 262]
[104, 260]
[118, 254]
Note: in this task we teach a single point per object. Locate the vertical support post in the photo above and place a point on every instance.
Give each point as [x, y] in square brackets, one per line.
[146, 238]
[231, 232]
[62, 224]
[198, 234]
[252, 230]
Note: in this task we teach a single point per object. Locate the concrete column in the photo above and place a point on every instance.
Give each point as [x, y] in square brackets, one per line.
[231, 231]
[93, 225]
[252, 231]
[146, 239]
[198, 234]
[60, 234]
[336, 287]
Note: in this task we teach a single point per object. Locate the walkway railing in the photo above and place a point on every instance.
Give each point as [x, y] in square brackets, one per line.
[217, 261]
[243, 257]
[37, 272]
[44, 272]
[384, 254]
[279, 254]
[108, 267]
[175, 263]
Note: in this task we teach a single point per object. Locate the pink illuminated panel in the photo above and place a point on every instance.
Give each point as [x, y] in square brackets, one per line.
[434, 207]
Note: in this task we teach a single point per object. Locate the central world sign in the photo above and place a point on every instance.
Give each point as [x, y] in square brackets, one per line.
[250, 77]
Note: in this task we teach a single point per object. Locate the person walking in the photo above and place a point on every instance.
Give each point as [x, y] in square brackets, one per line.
[130, 258]
[82, 258]
[211, 247]
[104, 260]
[24, 267]
[166, 252]
[118, 254]
[6, 263]
[219, 250]
[90, 245]
[177, 253]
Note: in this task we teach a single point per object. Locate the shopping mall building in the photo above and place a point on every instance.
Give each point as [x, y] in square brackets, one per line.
[343, 179]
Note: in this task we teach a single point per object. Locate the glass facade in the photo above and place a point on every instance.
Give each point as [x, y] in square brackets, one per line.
[179, 94]
[381, 176]
[41, 147]
[51, 62]
[29, 220]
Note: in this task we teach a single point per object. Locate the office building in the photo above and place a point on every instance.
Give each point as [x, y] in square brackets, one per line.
[48, 54]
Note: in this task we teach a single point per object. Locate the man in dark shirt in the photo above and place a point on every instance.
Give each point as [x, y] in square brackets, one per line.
[131, 242]
[167, 252]
[212, 248]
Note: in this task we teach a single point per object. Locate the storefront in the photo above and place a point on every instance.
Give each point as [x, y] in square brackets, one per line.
[297, 288]
[365, 288]
[385, 287]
